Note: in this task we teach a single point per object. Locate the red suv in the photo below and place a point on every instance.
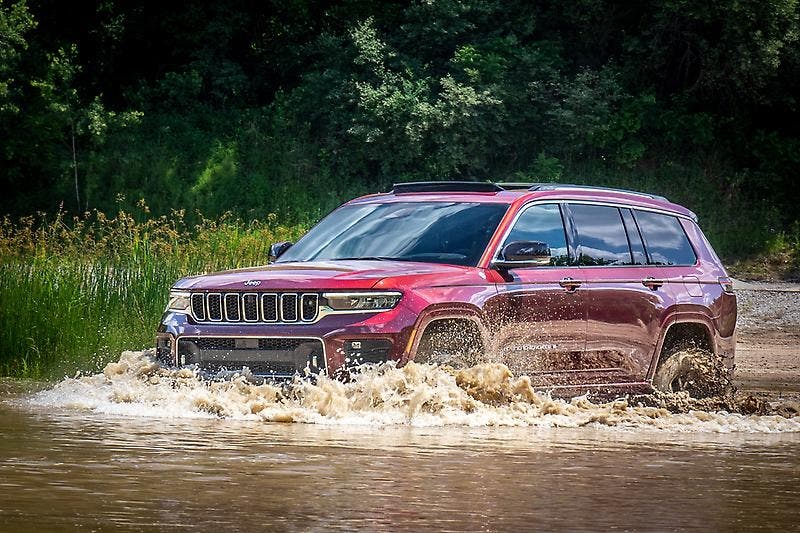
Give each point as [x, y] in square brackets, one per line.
[581, 288]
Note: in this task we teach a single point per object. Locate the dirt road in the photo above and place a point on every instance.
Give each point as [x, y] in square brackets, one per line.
[768, 347]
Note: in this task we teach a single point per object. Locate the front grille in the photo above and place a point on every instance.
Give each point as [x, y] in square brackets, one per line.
[265, 356]
[284, 307]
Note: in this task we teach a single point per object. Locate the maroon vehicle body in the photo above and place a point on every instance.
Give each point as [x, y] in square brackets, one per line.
[572, 327]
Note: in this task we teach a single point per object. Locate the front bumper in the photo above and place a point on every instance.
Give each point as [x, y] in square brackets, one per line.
[334, 345]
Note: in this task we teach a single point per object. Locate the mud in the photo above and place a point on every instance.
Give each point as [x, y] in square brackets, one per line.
[418, 395]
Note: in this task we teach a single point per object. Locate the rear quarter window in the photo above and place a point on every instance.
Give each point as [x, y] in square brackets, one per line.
[665, 240]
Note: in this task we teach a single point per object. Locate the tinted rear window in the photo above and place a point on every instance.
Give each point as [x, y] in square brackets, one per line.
[602, 239]
[666, 242]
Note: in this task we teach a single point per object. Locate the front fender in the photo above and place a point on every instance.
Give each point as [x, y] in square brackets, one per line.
[440, 312]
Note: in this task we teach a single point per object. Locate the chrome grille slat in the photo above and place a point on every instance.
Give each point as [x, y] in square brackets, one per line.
[269, 307]
[251, 307]
[214, 306]
[289, 307]
[198, 306]
[232, 313]
[309, 307]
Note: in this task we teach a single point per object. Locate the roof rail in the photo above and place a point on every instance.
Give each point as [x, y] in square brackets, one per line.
[445, 186]
[485, 186]
[560, 186]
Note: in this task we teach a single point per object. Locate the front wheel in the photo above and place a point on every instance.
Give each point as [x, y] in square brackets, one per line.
[450, 342]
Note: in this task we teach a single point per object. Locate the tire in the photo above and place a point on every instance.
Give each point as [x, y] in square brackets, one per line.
[450, 343]
[696, 371]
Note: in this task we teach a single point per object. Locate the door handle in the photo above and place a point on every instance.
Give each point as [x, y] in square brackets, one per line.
[652, 283]
[570, 284]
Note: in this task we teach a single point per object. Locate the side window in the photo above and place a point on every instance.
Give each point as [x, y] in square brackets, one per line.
[542, 223]
[634, 238]
[666, 242]
[602, 239]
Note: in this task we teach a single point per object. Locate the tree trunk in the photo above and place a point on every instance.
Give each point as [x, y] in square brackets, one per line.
[75, 166]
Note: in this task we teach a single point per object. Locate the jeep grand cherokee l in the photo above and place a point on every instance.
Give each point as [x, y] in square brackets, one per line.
[581, 288]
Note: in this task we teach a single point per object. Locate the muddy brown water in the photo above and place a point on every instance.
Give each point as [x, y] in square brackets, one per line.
[140, 448]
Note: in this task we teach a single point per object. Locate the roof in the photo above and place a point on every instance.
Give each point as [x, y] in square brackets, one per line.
[470, 191]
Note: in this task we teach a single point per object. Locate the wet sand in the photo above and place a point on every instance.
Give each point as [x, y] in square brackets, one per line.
[768, 341]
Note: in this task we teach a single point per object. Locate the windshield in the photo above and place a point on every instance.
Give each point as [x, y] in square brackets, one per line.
[453, 233]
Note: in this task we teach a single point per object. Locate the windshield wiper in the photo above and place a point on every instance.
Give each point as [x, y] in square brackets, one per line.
[364, 258]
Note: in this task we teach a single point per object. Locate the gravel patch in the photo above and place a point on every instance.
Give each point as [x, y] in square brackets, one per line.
[769, 307]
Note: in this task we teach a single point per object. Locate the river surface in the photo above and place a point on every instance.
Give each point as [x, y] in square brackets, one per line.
[400, 450]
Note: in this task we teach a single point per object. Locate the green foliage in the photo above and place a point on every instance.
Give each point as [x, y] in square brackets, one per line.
[77, 292]
[292, 107]
[15, 22]
[781, 261]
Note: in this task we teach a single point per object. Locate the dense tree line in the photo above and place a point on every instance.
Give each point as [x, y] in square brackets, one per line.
[289, 106]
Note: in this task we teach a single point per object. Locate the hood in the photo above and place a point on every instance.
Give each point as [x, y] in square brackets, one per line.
[325, 275]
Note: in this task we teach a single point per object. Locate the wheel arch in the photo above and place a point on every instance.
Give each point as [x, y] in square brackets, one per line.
[691, 328]
[438, 313]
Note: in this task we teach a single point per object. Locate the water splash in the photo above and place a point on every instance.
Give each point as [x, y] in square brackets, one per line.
[486, 394]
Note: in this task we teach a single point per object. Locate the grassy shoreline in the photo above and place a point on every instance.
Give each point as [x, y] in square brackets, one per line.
[76, 293]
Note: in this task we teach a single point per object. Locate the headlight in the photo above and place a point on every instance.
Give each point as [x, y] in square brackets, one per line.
[179, 301]
[362, 301]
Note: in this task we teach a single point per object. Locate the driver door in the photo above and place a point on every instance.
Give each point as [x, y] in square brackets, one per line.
[539, 313]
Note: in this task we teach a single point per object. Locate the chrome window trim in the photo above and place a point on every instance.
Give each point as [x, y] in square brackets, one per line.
[614, 204]
[619, 205]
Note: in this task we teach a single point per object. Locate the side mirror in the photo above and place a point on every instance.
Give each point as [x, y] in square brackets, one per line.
[278, 249]
[521, 254]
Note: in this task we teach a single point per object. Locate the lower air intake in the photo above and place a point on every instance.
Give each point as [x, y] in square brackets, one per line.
[276, 357]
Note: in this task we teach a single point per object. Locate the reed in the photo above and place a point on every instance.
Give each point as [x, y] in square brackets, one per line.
[76, 292]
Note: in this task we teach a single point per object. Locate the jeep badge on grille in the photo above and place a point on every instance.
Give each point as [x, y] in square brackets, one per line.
[252, 282]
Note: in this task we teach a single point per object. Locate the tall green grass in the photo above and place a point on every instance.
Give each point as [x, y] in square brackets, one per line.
[74, 293]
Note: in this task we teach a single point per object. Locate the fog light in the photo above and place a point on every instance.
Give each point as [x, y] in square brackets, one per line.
[358, 352]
